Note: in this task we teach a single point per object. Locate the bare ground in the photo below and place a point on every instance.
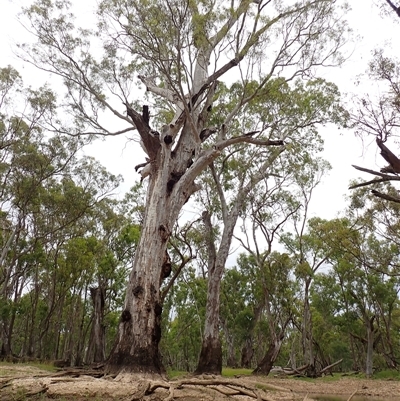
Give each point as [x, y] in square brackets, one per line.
[20, 382]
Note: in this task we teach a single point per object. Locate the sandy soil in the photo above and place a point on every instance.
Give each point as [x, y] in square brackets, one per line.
[21, 382]
[345, 386]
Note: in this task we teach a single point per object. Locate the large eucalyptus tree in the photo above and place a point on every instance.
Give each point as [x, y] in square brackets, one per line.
[180, 50]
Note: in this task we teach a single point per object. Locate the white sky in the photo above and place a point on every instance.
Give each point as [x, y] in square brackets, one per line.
[342, 148]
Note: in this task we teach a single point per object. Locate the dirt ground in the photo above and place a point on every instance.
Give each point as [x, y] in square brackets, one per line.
[22, 382]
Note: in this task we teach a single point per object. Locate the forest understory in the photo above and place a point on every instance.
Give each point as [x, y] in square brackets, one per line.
[22, 382]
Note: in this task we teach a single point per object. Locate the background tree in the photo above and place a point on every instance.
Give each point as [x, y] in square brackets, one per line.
[236, 179]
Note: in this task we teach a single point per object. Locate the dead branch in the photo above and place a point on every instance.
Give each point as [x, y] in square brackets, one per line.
[249, 392]
[247, 138]
[383, 175]
[138, 166]
[356, 372]
[365, 184]
[393, 169]
[385, 196]
[395, 9]
[354, 393]
[330, 366]
[297, 371]
[389, 156]
[151, 143]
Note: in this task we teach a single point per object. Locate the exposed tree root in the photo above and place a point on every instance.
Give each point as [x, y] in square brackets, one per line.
[223, 386]
[141, 388]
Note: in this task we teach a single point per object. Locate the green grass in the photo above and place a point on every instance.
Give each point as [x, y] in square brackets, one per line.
[176, 374]
[387, 375]
[43, 366]
[226, 372]
[230, 372]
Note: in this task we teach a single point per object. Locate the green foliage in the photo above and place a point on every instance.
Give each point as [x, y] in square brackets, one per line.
[181, 341]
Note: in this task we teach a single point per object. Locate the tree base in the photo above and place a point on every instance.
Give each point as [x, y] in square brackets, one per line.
[210, 360]
[145, 362]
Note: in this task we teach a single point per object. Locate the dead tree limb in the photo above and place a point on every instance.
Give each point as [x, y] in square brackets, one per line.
[385, 196]
[330, 366]
[395, 9]
[296, 371]
[352, 395]
[383, 175]
[389, 156]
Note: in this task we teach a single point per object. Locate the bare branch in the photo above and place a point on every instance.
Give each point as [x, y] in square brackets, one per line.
[389, 177]
[385, 196]
[396, 9]
[365, 184]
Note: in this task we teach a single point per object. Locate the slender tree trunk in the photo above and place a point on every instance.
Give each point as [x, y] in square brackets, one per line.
[5, 350]
[292, 356]
[307, 337]
[97, 342]
[370, 347]
[79, 353]
[210, 360]
[247, 354]
[265, 365]
[231, 359]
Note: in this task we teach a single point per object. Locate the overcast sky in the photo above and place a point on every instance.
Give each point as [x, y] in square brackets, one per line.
[342, 148]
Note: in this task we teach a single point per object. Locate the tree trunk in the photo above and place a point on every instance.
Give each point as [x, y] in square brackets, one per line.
[247, 354]
[136, 349]
[5, 350]
[97, 343]
[231, 359]
[307, 337]
[370, 347]
[210, 360]
[265, 366]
